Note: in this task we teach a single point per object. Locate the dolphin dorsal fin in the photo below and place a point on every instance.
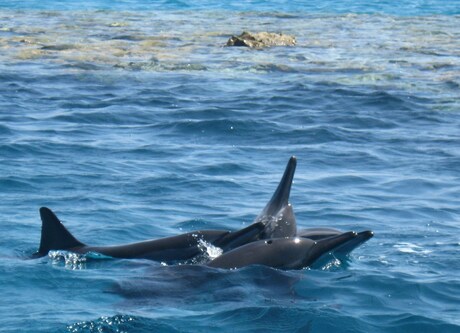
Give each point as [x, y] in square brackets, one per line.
[54, 235]
[281, 196]
[278, 215]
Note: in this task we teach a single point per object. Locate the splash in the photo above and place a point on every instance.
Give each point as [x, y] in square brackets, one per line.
[207, 251]
[331, 265]
[118, 323]
[410, 248]
[210, 250]
[73, 261]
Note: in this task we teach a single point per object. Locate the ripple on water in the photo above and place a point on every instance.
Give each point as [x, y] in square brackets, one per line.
[141, 124]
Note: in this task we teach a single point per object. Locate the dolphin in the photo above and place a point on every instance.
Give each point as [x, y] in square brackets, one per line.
[276, 220]
[55, 236]
[278, 214]
[344, 249]
[282, 253]
[280, 221]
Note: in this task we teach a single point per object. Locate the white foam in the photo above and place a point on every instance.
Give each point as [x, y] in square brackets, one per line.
[211, 251]
[74, 261]
[331, 264]
[405, 247]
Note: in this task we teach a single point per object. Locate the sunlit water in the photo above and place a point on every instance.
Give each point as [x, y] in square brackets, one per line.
[132, 121]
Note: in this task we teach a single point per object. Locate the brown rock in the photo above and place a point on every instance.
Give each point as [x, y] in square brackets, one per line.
[261, 39]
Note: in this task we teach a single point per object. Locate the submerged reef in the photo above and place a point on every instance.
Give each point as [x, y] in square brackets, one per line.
[261, 40]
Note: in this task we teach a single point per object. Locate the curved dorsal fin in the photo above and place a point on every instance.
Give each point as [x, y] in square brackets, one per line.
[278, 215]
[54, 235]
[280, 198]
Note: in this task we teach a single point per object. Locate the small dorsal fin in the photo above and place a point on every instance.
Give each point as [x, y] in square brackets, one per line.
[54, 235]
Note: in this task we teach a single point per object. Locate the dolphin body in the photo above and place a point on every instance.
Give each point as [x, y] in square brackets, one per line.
[282, 253]
[276, 220]
[280, 221]
[275, 225]
[55, 236]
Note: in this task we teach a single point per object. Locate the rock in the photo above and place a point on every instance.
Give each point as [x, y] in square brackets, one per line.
[261, 39]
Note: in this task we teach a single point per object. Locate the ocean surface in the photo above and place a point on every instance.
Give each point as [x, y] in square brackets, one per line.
[131, 120]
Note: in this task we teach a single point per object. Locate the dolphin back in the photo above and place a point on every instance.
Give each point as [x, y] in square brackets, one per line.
[318, 233]
[238, 238]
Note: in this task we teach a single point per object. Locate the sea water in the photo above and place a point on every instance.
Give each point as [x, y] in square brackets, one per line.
[132, 121]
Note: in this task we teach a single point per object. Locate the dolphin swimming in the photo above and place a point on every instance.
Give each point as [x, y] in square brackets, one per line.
[282, 253]
[280, 221]
[271, 240]
[276, 220]
[55, 236]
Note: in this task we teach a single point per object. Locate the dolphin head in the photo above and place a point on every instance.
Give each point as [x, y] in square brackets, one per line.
[327, 245]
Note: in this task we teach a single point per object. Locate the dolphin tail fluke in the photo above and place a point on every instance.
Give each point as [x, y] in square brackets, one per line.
[54, 235]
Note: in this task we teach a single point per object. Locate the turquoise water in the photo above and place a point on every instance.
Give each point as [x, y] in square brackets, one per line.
[132, 121]
[402, 7]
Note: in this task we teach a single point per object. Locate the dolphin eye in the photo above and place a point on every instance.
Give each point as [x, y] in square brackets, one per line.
[268, 241]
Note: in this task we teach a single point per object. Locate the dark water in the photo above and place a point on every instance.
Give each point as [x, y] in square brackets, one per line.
[134, 124]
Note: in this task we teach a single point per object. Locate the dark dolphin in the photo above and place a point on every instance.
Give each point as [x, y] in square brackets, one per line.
[283, 253]
[279, 218]
[276, 220]
[278, 215]
[55, 236]
[344, 249]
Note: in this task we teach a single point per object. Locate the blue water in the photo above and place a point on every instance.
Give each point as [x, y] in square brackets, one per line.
[401, 7]
[132, 121]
